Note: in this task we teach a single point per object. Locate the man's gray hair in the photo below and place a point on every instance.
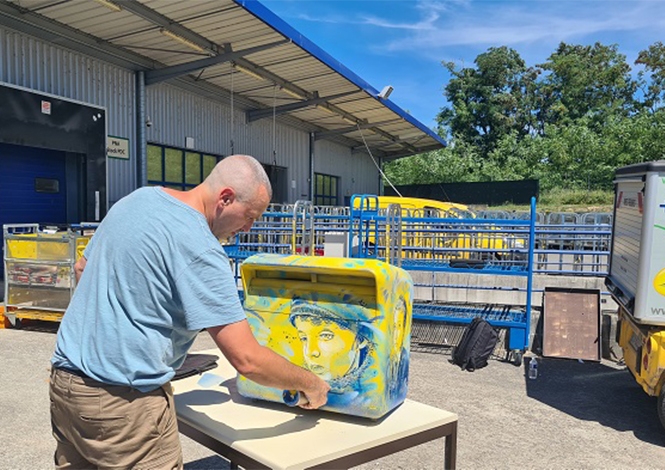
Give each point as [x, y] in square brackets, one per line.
[243, 173]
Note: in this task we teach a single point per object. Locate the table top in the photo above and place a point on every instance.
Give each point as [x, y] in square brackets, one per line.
[289, 438]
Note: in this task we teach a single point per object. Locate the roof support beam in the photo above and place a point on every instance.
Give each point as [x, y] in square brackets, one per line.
[347, 130]
[277, 80]
[392, 155]
[362, 149]
[23, 20]
[166, 73]
[256, 114]
[394, 139]
[139, 9]
[343, 114]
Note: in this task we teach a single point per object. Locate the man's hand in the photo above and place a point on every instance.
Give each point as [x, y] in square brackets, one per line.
[265, 367]
[316, 396]
[79, 267]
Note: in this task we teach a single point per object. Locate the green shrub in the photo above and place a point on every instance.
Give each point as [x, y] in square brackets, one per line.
[563, 197]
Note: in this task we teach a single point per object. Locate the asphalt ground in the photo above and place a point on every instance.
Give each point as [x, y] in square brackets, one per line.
[573, 416]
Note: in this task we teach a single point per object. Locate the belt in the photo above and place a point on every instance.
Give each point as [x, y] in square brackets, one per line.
[77, 373]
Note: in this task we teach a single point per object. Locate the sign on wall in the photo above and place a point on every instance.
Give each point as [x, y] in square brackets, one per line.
[117, 147]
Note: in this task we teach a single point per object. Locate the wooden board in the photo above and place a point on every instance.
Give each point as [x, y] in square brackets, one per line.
[571, 323]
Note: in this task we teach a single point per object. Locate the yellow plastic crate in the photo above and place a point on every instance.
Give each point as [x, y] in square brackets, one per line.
[44, 246]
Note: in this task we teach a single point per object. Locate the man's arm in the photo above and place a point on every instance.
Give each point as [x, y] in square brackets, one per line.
[266, 367]
[79, 267]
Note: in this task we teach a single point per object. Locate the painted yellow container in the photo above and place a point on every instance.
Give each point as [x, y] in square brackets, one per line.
[346, 320]
[45, 246]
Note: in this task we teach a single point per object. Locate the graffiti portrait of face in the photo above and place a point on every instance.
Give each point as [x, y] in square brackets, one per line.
[330, 349]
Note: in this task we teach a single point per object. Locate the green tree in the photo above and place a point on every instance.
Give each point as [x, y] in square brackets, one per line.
[448, 165]
[580, 156]
[584, 81]
[488, 102]
[515, 159]
[570, 123]
[653, 89]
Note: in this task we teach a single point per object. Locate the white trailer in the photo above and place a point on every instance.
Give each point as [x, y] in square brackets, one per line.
[636, 276]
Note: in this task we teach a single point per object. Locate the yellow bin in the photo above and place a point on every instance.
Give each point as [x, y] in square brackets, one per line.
[346, 320]
[45, 246]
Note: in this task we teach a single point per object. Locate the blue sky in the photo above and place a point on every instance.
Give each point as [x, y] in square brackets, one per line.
[402, 43]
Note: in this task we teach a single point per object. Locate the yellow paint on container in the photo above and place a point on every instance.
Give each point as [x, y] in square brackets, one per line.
[44, 246]
[346, 320]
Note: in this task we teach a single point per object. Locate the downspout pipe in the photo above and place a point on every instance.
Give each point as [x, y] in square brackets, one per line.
[381, 191]
[141, 139]
[312, 140]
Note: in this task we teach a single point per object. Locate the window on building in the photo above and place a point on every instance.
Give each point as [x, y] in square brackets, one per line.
[325, 190]
[177, 168]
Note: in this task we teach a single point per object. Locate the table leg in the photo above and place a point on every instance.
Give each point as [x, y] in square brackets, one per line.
[450, 456]
[234, 457]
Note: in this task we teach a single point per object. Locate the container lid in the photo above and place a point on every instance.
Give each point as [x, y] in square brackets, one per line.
[639, 168]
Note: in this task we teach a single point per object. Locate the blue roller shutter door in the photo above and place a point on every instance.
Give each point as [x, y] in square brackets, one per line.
[32, 186]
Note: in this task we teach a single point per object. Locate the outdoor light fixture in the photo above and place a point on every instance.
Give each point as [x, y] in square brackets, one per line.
[180, 39]
[296, 95]
[385, 93]
[109, 5]
[247, 71]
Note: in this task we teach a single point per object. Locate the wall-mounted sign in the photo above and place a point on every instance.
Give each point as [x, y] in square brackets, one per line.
[117, 147]
[46, 107]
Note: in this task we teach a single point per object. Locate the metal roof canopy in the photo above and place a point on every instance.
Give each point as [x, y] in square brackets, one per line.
[220, 47]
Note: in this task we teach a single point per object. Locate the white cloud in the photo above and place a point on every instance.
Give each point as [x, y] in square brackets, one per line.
[427, 23]
[334, 19]
[441, 24]
[499, 23]
[440, 6]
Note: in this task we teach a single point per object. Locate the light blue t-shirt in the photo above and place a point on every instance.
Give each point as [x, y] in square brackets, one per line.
[155, 276]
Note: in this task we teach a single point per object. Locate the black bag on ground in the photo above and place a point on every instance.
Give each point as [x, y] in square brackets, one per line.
[195, 364]
[476, 345]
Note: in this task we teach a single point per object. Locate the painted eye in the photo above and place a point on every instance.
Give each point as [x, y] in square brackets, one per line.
[303, 339]
[326, 336]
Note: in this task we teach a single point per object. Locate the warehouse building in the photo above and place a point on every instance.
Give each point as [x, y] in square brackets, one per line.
[99, 97]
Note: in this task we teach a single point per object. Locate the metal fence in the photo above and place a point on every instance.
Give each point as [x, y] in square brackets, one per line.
[437, 251]
[565, 243]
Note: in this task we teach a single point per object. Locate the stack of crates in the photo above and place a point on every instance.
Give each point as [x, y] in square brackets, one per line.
[39, 270]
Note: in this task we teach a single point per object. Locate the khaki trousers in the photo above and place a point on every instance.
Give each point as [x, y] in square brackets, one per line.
[103, 426]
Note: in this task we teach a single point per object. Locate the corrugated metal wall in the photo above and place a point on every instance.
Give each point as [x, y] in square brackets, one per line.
[358, 175]
[175, 114]
[35, 64]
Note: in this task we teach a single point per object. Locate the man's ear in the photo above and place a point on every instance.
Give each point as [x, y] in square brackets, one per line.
[226, 197]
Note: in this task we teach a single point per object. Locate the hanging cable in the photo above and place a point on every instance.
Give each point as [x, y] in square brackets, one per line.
[378, 167]
[274, 118]
[232, 116]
